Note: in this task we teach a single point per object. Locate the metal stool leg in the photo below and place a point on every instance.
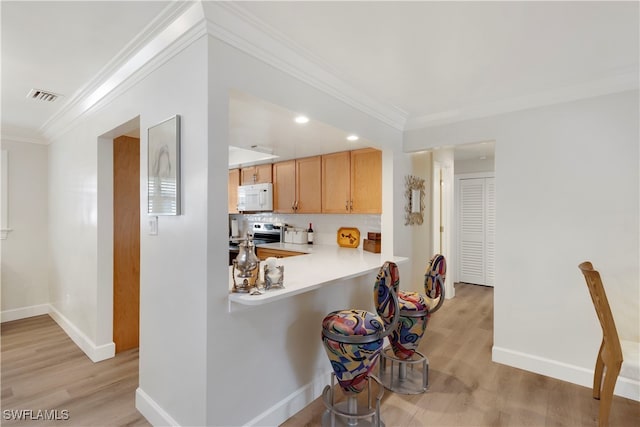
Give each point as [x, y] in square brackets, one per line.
[347, 413]
[402, 382]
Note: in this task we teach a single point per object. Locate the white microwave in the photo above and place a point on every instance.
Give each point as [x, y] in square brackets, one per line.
[255, 197]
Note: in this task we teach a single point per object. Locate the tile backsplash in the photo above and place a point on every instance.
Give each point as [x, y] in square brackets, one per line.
[325, 226]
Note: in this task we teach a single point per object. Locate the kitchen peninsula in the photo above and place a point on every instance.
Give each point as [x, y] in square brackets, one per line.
[317, 266]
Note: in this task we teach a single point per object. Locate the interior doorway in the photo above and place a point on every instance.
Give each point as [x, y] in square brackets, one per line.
[475, 213]
[442, 211]
[476, 228]
[126, 242]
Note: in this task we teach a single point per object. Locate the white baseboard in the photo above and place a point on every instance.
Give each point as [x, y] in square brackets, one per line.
[152, 411]
[274, 416]
[625, 387]
[24, 312]
[293, 403]
[95, 352]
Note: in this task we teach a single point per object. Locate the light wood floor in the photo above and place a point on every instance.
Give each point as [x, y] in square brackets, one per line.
[42, 369]
[467, 389]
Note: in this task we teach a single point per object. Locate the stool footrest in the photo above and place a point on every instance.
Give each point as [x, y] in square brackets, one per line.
[399, 381]
[348, 413]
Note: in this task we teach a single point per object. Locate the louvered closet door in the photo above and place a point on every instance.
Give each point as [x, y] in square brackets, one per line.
[472, 231]
[490, 230]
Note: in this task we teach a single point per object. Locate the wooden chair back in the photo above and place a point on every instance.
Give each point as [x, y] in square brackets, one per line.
[612, 348]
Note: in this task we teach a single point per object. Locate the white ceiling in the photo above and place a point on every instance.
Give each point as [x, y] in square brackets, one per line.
[60, 47]
[255, 124]
[429, 59]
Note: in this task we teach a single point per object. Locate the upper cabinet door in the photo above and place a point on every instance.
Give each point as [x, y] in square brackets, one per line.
[284, 186]
[232, 188]
[256, 174]
[336, 195]
[366, 181]
[308, 185]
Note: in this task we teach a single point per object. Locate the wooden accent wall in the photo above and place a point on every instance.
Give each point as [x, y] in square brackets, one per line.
[126, 242]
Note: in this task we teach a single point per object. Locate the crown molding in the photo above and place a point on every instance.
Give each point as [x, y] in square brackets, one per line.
[183, 22]
[231, 23]
[179, 25]
[621, 82]
[155, 39]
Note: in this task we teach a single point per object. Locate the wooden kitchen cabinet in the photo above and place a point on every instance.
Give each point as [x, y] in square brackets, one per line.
[259, 174]
[336, 179]
[308, 185]
[232, 188]
[366, 181]
[296, 186]
[284, 186]
[352, 182]
[264, 253]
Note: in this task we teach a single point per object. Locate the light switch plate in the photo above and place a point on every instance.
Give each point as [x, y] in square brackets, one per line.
[153, 226]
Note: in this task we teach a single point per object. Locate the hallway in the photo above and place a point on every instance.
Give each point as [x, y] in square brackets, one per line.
[43, 370]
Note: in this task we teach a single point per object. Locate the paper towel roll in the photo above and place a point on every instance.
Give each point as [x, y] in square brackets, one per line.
[234, 228]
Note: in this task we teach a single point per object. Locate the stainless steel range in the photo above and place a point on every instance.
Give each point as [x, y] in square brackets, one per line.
[263, 232]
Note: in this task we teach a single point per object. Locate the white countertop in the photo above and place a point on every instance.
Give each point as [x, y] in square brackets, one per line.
[292, 247]
[320, 266]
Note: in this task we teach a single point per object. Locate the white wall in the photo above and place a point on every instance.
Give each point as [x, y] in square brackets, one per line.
[267, 354]
[474, 165]
[24, 252]
[173, 264]
[567, 191]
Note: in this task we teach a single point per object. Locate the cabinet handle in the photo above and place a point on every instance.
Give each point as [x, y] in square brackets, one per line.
[351, 205]
[293, 206]
[346, 206]
[296, 205]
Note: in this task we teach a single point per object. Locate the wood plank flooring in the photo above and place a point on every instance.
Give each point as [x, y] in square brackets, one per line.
[42, 369]
[467, 389]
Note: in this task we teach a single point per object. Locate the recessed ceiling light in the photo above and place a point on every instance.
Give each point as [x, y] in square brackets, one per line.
[352, 138]
[483, 157]
[302, 120]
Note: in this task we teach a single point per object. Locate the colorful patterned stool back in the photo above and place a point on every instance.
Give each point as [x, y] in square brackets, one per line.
[388, 280]
[415, 310]
[435, 276]
[414, 314]
[353, 338]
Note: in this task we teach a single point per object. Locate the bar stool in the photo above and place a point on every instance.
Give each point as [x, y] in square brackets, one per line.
[415, 310]
[353, 340]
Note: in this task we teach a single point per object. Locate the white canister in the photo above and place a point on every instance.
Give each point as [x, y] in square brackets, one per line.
[300, 236]
[234, 228]
[288, 236]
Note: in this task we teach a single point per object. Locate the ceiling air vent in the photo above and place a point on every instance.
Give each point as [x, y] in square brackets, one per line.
[42, 95]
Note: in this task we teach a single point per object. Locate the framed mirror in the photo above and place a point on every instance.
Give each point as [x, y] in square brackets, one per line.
[163, 156]
[414, 197]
